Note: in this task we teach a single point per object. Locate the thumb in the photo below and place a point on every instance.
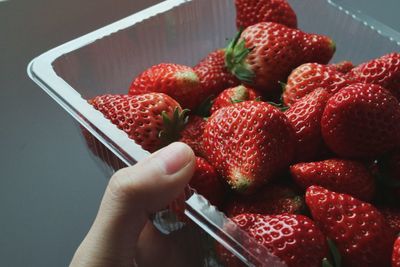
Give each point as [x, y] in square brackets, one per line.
[132, 195]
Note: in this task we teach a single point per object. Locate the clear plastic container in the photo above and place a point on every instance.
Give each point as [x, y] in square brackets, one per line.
[181, 31]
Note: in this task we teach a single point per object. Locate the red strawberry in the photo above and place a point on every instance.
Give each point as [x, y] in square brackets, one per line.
[343, 67]
[267, 52]
[396, 253]
[342, 176]
[384, 71]
[250, 12]
[192, 134]
[305, 116]
[310, 76]
[234, 95]
[293, 238]
[100, 151]
[361, 121]
[272, 199]
[392, 217]
[178, 81]
[207, 182]
[358, 229]
[248, 143]
[152, 120]
[213, 74]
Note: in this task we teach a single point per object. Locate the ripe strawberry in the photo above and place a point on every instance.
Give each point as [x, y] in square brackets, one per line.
[293, 238]
[272, 199]
[100, 151]
[234, 95]
[358, 229]
[384, 71]
[152, 120]
[250, 12]
[305, 116]
[342, 176]
[213, 74]
[310, 76]
[392, 217]
[178, 81]
[396, 253]
[207, 182]
[343, 67]
[248, 143]
[361, 121]
[192, 134]
[267, 52]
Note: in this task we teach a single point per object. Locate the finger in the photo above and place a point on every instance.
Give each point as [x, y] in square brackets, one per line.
[179, 249]
[132, 194]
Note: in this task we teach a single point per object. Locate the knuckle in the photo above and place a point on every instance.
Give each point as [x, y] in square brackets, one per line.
[118, 185]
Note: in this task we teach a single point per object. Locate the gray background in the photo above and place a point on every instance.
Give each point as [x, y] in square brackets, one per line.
[50, 187]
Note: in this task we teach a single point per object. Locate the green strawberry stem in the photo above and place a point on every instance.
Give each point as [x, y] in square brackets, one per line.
[173, 126]
[335, 254]
[235, 56]
[279, 106]
[203, 110]
[283, 86]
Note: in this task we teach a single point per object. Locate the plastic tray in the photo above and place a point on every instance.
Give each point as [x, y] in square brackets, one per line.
[179, 31]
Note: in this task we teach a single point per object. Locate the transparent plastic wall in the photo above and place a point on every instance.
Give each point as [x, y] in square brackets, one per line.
[181, 31]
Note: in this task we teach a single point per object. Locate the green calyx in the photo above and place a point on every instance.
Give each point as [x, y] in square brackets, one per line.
[280, 106]
[335, 255]
[173, 126]
[235, 56]
[283, 86]
[203, 110]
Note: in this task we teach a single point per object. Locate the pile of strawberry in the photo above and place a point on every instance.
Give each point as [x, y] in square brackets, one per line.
[311, 172]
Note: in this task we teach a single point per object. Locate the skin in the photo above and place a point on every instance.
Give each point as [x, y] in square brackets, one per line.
[121, 234]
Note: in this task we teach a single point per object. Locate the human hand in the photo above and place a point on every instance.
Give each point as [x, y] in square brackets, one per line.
[121, 234]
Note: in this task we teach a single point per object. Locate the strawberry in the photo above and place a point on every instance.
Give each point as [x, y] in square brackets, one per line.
[357, 228]
[293, 238]
[396, 253]
[384, 71]
[361, 121]
[265, 54]
[234, 95]
[343, 67]
[342, 176]
[213, 74]
[310, 76]
[192, 134]
[206, 182]
[178, 81]
[305, 116]
[248, 143]
[153, 120]
[250, 12]
[100, 151]
[272, 199]
[392, 216]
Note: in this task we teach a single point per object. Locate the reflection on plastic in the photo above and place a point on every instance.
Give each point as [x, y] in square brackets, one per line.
[228, 234]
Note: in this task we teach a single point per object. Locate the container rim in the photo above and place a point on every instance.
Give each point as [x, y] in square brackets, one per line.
[41, 71]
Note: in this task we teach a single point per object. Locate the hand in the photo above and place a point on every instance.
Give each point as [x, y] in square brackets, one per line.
[121, 233]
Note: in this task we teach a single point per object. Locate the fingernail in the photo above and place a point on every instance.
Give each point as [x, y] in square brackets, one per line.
[174, 157]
